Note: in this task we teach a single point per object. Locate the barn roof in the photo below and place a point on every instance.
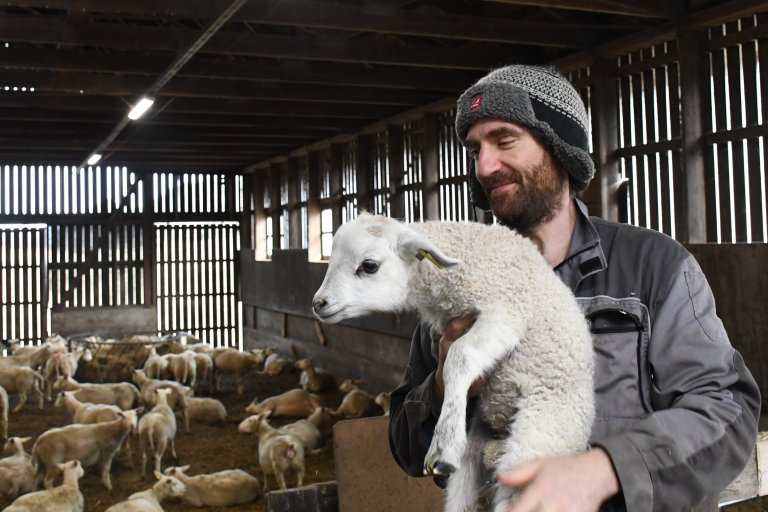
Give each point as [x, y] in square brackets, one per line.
[240, 82]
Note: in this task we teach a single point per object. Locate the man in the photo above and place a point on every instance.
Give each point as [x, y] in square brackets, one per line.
[676, 407]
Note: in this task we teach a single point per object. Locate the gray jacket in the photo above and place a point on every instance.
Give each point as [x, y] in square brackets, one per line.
[677, 408]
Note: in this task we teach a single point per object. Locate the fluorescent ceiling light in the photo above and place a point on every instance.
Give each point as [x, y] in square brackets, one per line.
[140, 108]
[94, 158]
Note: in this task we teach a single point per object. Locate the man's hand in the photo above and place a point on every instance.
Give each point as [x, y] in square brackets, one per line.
[453, 331]
[575, 483]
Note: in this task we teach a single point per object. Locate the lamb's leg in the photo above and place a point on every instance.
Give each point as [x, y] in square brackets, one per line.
[106, 469]
[493, 336]
[22, 400]
[279, 476]
[143, 450]
[550, 425]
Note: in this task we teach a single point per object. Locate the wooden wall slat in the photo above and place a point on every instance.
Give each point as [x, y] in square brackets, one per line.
[719, 95]
[737, 148]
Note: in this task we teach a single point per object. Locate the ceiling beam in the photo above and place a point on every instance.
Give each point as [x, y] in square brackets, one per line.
[146, 64]
[366, 18]
[103, 84]
[359, 49]
[661, 9]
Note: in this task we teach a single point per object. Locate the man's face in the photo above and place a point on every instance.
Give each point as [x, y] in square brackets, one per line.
[523, 185]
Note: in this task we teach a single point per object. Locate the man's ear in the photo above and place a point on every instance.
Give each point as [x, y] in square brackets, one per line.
[411, 244]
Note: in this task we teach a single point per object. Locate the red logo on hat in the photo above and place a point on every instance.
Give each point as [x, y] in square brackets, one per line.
[476, 102]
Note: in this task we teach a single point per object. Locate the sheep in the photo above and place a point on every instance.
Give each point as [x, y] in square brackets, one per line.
[205, 410]
[122, 394]
[157, 430]
[64, 498]
[529, 335]
[4, 406]
[314, 379]
[220, 489]
[33, 359]
[275, 364]
[295, 403]
[149, 500]
[156, 367]
[90, 444]
[176, 400]
[21, 380]
[280, 451]
[307, 431]
[183, 367]
[17, 474]
[228, 360]
[356, 403]
[204, 364]
[85, 412]
[63, 364]
[382, 400]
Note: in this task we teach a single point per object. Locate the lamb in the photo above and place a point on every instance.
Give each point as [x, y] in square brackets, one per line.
[17, 474]
[529, 335]
[205, 410]
[63, 364]
[204, 364]
[295, 403]
[4, 406]
[31, 359]
[313, 379]
[122, 394]
[22, 380]
[220, 489]
[382, 400]
[279, 454]
[157, 430]
[150, 499]
[183, 367]
[156, 367]
[64, 498]
[90, 444]
[176, 400]
[275, 364]
[356, 403]
[307, 431]
[228, 360]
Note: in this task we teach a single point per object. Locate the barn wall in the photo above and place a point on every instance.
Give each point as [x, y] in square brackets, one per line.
[276, 298]
[276, 302]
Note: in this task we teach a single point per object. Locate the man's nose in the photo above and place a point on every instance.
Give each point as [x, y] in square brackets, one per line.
[487, 162]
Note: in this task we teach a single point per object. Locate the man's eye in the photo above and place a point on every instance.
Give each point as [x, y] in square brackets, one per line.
[368, 266]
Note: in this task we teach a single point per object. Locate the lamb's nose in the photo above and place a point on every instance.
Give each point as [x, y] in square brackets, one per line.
[318, 304]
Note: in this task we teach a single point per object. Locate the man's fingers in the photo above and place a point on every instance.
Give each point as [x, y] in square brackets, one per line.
[519, 476]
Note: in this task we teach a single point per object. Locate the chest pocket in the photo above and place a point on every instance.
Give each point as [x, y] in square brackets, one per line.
[620, 333]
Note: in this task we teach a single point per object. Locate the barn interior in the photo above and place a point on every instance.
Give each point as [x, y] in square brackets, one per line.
[273, 122]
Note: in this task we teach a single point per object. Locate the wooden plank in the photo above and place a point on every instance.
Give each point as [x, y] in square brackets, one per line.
[723, 198]
[738, 118]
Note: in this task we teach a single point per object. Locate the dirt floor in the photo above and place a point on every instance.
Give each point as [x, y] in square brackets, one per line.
[206, 448]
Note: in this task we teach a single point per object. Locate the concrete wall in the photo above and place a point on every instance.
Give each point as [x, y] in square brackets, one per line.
[277, 295]
[112, 320]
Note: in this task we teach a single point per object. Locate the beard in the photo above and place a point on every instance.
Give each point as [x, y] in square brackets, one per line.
[536, 200]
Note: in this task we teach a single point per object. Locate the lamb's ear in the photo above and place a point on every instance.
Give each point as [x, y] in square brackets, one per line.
[411, 244]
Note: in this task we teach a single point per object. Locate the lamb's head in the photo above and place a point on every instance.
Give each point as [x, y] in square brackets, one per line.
[370, 268]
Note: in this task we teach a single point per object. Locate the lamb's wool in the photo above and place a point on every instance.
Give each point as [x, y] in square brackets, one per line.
[539, 400]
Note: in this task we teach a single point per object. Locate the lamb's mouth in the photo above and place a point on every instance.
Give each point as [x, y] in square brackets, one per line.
[327, 316]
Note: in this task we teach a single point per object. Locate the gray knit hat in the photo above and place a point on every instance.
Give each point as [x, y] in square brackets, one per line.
[536, 97]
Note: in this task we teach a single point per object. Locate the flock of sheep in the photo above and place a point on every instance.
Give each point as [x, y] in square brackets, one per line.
[143, 391]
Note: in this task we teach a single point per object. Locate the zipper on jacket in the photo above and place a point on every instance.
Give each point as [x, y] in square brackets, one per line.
[639, 327]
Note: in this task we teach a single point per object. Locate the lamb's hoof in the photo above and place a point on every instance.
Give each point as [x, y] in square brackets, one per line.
[439, 469]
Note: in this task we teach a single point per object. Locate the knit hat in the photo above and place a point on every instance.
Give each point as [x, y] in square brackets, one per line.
[536, 97]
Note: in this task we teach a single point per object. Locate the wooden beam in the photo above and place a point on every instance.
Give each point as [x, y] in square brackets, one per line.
[400, 21]
[663, 9]
[430, 163]
[606, 138]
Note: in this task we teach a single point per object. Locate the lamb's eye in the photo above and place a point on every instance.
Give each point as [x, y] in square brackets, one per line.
[368, 266]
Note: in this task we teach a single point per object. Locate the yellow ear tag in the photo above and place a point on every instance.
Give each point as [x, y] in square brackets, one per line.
[424, 254]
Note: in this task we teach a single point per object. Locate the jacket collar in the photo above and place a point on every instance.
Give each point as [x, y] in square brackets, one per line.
[585, 255]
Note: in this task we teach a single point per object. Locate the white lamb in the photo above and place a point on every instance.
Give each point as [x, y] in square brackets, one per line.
[529, 335]
[150, 499]
[17, 473]
[64, 498]
[220, 489]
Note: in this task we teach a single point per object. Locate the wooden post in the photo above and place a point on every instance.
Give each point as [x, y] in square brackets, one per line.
[430, 166]
[314, 230]
[292, 210]
[364, 173]
[336, 184]
[275, 208]
[396, 171]
[692, 81]
[605, 140]
[148, 235]
[246, 216]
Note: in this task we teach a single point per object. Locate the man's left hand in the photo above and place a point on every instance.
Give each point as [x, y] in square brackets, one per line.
[575, 483]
